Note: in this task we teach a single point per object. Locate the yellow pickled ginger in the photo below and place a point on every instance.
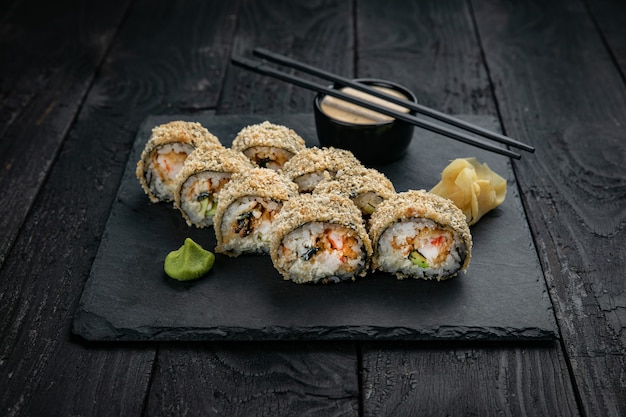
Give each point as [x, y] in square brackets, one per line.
[472, 186]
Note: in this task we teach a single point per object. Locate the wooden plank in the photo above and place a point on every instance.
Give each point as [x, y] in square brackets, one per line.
[283, 379]
[558, 88]
[466, 381]
[610, 18]
[435, 53]
[266, 378]
[300, 29]
[47, 67]
[441, 60]
[164, 58]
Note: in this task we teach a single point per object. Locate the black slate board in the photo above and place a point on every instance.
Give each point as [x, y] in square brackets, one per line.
[128, 297]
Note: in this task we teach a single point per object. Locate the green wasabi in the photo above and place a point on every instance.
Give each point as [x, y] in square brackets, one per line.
[189, 262]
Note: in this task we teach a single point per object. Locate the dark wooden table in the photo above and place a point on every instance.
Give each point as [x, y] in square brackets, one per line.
[78, 78]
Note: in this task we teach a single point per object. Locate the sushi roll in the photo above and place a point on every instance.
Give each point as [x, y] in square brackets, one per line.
[311, 165]
[246, 209]
[165, 153]
[320, 238]
[268, 145]
[420, 235]
[203, 175]
[366, 187]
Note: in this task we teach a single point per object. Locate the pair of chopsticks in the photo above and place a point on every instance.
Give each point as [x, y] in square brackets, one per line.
[262, 68]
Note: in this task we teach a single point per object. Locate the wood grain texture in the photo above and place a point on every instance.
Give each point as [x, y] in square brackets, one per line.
[239, 379]
[610, 18]
[318, 32]
[41, 282]
[470, 381]
[545, 61]
[443, 64]
[47, 67]
[430, 47]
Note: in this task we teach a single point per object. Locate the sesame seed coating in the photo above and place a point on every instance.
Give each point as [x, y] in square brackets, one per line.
[421, 204]
[324, 208]
[214, 159]
[187, 134]
[317, 159]
[356, 181]
[181, 131]
[269, 135]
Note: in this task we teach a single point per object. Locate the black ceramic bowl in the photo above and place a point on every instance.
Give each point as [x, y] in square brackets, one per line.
[373, 142]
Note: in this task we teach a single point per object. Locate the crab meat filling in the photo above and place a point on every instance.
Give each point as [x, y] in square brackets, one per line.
[420, 245]
[166, 161]
[247, 223]
[322, 250]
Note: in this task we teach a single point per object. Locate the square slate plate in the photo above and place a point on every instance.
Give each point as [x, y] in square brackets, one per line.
[128, 297]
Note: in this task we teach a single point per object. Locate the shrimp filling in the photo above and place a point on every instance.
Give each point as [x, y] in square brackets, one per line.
[318, 251]
[166, 161]
[421, 248]
[199, 196]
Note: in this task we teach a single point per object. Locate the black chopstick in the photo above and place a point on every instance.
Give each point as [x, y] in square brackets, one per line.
[289, 62]
[261, 68]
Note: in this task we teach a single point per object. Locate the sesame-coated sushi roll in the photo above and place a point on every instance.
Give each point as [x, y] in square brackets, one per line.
[309, 166]
[366, 187]
[268, 145]
[165, 153]
[246, 209]
[203, 175]
[420, 235]
[320, 238]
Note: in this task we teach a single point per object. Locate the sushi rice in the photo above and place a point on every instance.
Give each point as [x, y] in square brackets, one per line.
[320, 238]
[417, 234]
[246, 209]
[203, 175]
[165, 153]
